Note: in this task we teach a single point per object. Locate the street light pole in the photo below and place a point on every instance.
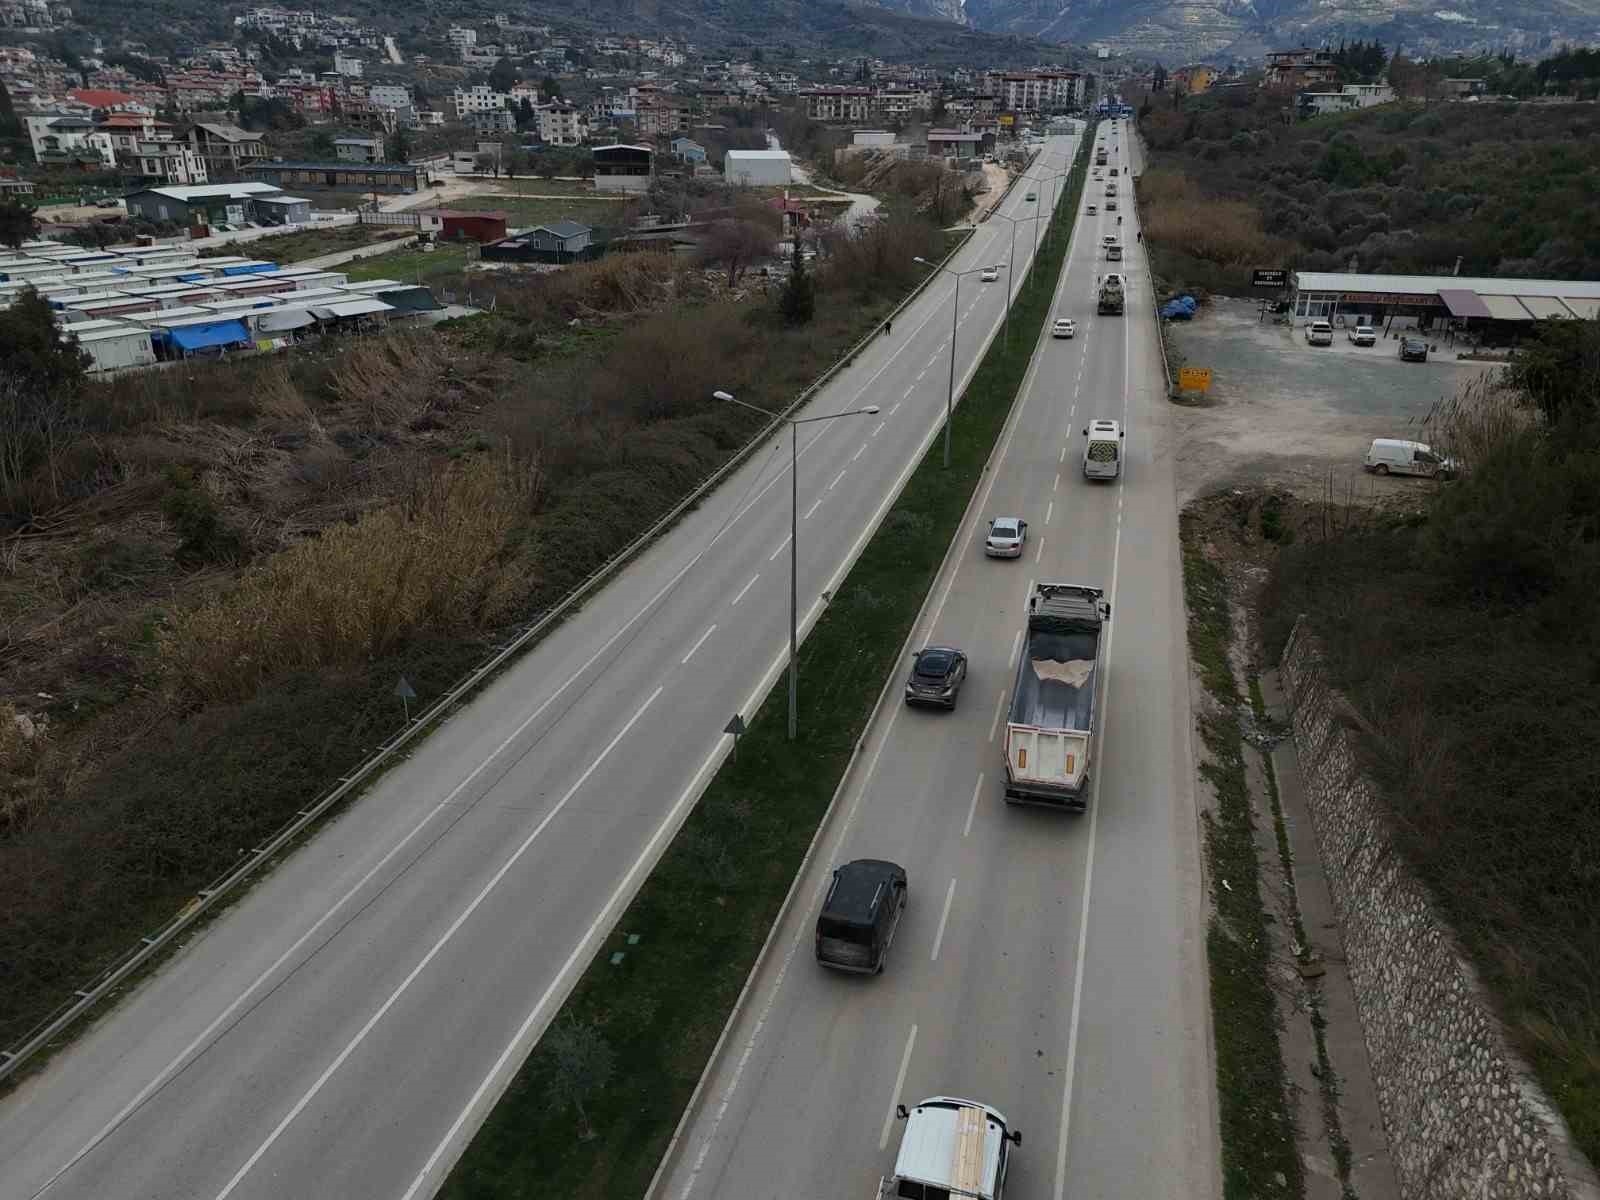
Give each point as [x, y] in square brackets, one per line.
[794, 424]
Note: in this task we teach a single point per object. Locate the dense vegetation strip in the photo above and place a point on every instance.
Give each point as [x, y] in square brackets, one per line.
[1407, 187]
[1469, 638]
[213, 577]
[591, 1112]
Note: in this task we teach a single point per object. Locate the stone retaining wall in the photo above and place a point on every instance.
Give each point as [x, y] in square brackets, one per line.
[1463, 1115]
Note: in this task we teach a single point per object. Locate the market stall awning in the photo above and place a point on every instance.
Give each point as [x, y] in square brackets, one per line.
[1505, 308]
[1546, 306]
[1462, 302]
[280, 320]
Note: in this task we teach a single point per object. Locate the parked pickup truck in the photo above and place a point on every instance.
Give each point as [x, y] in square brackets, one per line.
[952, 1149]
[1050, 728]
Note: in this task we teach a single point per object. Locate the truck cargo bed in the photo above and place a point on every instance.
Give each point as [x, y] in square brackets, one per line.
[1056, 681]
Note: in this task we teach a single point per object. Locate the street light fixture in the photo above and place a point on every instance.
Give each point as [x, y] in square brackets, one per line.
[955, 311]
[794, 424]
[1014, 223]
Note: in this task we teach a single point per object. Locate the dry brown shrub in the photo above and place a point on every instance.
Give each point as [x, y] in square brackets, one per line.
[617, 285]
[432, 562]
[276, 396]
[387, 380]
[1179, 214]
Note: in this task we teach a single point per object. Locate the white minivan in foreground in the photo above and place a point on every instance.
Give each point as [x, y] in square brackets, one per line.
[1102, 450]
[1395, 456]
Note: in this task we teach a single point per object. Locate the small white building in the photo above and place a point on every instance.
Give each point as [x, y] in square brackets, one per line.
[757, 168]
[873, 138]
[1347, 99]
[114, 349]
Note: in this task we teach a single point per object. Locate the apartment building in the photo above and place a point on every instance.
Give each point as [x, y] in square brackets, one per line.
[561, 125]
[1037, 91]
[225, 148]
[842, 104]
[1299, 68]
[479, 98]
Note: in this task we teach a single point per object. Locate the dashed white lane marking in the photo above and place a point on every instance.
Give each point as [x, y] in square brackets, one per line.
[1063, 457]
[977, 790]
[433, 952]
[999, 707]
[835, 482]
[1011, 658]
[899, 1082]
[903, 396]
[698, 644]
[896, 407]
[859, 452]
[813, 509]
[783, 545]
[1040, 551]
[879, 429]
[938, 938]
[1049, 512]
[1056, 486]
[746, 587]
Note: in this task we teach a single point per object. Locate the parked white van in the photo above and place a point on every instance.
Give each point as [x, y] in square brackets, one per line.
[1102, 450]
[1395, 456]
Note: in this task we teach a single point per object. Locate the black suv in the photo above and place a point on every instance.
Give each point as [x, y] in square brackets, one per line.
[860, 915]
[1413, 349]
[937, 674]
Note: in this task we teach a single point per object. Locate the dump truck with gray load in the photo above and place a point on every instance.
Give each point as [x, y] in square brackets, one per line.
[1050, 728]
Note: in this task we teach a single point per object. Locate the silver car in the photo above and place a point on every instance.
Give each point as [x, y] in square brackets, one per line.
[1006, 536]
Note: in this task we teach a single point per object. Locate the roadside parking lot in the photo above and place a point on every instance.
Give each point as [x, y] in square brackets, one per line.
[1285, 414]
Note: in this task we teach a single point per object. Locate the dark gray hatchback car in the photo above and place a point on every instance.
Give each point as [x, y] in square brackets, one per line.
[937, 674]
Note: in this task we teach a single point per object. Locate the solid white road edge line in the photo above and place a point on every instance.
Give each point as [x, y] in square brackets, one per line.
[944, 918]
[899, 1083]
[433, 951]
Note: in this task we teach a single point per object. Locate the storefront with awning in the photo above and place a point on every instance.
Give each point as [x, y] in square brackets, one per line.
[1474, 305]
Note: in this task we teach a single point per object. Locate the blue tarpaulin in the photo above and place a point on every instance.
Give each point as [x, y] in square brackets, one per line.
[195, 277]
[216, 333]
[250, 269]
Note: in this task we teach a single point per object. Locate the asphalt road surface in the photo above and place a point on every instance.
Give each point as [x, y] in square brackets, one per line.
[343, 1028]
[1049, 965]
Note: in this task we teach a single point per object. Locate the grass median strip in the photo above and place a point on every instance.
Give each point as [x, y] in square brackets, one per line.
[591, 1112]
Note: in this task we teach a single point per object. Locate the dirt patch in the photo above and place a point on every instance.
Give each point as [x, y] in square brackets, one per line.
[1282, 414]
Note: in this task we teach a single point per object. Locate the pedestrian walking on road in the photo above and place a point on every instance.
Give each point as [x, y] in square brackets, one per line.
[888, 326]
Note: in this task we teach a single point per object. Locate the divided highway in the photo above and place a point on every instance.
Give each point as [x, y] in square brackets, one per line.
[1049, 965]
[345, 1026]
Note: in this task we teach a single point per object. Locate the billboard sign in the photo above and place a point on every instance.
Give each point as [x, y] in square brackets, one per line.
[1275, 277]
[1194, 379]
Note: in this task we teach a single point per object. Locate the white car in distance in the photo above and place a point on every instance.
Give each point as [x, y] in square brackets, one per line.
[1064, 328]
[990, 274]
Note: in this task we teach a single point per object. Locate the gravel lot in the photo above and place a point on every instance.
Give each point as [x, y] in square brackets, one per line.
[1284, 414]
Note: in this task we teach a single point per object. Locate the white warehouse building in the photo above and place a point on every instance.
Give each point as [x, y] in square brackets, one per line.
[757, 168]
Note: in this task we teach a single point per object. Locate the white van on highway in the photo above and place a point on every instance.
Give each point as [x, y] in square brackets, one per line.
[1102, 449]
[952, 1148]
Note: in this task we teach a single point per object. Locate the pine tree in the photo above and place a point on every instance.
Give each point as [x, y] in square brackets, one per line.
[798, 303]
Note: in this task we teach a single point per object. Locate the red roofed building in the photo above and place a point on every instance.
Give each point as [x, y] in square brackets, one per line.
[103, 98]
[459, 226]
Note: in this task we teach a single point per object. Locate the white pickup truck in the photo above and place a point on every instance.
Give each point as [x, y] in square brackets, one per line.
[952, 1149]
[1050, 728]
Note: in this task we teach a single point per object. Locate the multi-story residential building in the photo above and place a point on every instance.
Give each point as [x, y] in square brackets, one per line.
[1037, 91]
[561, 125]
[225, 148]
[68, 140]
[847, 104]
[492, 120]
[390, 95]
[1298, 68]
[460, 38]
[479, 98]
[347, 64]
[659, 114]
[169, 161]
[902, 104]
[358, 149]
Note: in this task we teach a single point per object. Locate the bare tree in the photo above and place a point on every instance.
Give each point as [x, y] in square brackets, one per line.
[735, 244]
[581, 1063]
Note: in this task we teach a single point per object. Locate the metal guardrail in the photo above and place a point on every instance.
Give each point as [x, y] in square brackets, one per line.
[88, 996]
